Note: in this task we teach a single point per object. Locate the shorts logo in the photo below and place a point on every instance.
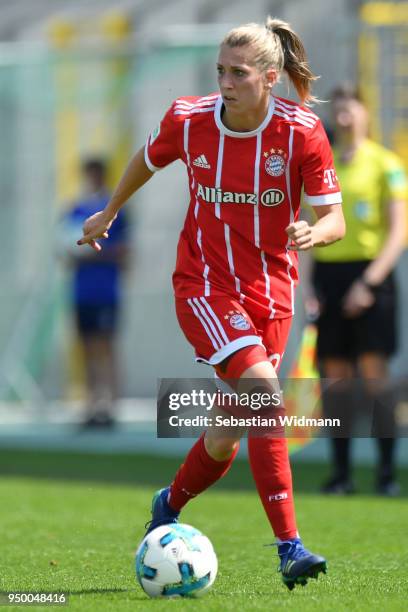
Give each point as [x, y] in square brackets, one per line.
[275, 163]
[237, 320]
[272, 197]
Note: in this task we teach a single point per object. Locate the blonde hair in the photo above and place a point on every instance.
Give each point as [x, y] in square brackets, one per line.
[277, 46]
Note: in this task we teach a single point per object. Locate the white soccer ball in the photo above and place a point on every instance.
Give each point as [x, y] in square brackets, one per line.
[176, 560]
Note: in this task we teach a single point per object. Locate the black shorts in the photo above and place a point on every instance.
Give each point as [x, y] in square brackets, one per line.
[373, 331]
[96, 319]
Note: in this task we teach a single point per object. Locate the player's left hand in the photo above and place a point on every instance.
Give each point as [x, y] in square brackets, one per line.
[357, 299]
[301, 234]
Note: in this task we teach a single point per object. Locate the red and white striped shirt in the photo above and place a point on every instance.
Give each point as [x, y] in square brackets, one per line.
[245, 189]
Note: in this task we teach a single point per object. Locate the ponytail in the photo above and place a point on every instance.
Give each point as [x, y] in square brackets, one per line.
[277, 46]
[295, 61]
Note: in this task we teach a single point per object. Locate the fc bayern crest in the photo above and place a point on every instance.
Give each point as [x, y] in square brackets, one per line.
[237, 320]
[275, 163]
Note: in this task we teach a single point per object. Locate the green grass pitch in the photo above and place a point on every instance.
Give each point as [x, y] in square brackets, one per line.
[72, 523]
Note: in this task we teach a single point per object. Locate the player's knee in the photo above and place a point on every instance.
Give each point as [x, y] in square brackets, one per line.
[221, 449]
[242, 360]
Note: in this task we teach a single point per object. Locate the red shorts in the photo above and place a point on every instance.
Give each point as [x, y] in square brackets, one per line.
[217, 327]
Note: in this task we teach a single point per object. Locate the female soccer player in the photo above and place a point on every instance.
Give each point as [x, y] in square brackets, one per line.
[248, 155]
[354, 283]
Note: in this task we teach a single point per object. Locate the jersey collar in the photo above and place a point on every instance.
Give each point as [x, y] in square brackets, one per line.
[224, 130]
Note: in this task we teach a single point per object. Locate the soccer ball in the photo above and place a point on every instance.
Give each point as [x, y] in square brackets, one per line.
[176, 560]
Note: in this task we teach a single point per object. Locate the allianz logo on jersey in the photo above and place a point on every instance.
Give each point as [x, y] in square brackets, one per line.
[214, 195]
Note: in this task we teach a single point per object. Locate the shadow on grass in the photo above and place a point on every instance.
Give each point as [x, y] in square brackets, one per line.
[154, 471]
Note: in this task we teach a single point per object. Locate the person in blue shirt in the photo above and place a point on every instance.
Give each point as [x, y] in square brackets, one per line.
[96, 296]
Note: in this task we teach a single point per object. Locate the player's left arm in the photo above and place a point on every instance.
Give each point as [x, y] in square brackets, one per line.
[329, 227]
[321, 192]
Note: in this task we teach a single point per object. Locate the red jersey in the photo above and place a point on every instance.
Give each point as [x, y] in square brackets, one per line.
[245, 189]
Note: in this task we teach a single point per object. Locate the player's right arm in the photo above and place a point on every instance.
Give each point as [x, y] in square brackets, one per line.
[97, 226]
[163, 147]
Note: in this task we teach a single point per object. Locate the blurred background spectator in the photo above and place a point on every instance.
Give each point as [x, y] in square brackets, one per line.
[352, 289]
[96, 295]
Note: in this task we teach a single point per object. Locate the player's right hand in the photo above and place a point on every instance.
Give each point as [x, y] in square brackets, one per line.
[96, 226]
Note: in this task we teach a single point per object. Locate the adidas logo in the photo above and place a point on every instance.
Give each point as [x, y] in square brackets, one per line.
[201, 162]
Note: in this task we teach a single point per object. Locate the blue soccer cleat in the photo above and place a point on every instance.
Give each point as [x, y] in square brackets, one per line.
[162, 513]
[298, 564]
